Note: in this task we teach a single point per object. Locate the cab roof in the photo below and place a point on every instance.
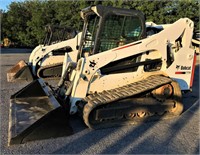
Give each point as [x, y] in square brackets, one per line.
[102, 10]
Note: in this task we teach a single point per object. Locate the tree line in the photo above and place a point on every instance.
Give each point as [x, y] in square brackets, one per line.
[24, 22]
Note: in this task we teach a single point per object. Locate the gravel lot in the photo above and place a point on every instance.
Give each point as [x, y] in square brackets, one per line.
[178, 136]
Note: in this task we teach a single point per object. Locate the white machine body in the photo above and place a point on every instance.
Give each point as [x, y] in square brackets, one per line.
[89, 79]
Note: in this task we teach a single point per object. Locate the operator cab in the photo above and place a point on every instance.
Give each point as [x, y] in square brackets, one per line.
[106, 28]
[56, 33]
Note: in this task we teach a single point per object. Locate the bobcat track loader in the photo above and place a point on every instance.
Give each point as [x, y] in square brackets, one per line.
[120, 77]
[46, 60]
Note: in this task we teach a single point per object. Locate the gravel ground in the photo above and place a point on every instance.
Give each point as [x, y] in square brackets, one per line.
[177, 136]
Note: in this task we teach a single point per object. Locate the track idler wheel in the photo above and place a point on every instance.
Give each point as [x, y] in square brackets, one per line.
[170, 93]
[164, 92]
[130, 116]
[141, 114]
[177, 99]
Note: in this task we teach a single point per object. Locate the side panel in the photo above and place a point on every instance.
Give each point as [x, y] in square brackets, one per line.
[182, 67]
[52, 60]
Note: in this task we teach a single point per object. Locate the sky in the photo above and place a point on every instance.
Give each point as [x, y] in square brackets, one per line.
[5, 3]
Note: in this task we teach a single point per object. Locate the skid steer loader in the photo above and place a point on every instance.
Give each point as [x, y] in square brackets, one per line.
[46, 60]
[120, 77]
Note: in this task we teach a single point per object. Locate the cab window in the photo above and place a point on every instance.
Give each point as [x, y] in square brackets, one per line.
[119, 30]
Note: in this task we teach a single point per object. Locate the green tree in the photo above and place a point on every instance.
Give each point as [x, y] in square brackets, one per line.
[14, 21]
[24, 22]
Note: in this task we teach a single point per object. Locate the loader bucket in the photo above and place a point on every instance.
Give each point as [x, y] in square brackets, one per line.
[35, 114]
[20, 71]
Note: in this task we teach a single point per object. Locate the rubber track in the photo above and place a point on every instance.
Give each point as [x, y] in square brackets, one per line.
[41, 69]
[130, 90]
